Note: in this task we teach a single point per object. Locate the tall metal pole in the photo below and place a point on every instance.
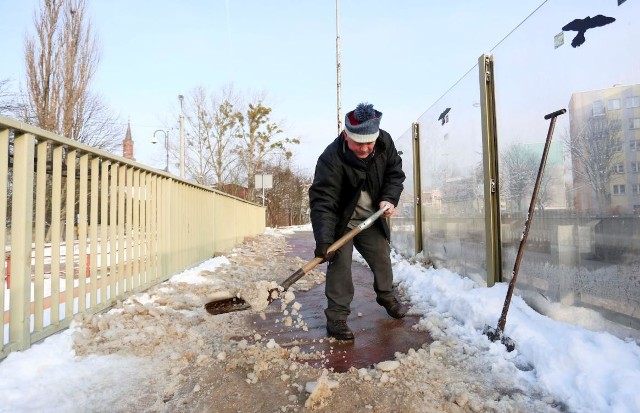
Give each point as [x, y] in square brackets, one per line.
[181, 98]
[339, 76]
[166, 147]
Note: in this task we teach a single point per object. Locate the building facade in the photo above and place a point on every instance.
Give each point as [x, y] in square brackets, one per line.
[605, 149]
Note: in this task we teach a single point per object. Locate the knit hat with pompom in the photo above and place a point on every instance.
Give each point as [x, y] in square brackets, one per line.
[363, 124]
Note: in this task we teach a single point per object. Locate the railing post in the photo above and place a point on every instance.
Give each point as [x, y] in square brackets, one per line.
[490, 163]
[417, 186]
[21, 238]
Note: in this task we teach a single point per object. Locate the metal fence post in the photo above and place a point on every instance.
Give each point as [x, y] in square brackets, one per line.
[490, 167]
[417, 186]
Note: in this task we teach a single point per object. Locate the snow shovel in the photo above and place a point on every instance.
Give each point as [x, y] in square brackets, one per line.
[227, 305]
[498, 333]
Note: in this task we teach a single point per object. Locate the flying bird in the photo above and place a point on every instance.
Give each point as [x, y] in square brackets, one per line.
[444, 116]
[582, 25]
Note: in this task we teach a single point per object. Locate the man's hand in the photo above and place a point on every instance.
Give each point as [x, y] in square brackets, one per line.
[388, 212]
[321, 252]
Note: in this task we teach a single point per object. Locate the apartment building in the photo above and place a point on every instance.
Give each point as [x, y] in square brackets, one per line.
[605, 150]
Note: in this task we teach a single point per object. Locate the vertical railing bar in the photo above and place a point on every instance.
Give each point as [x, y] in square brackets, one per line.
[4, 177]
[93, 230]
[69, 239]
[113, 234]
[164, 234]
[128, 230]
[183, 226]
[121, 275]
[144, 250]
[104, 230]
[82, 233]
[187, 229]
[214, 222]
[173, 240]
[40, 228]
[135, 256]
[153, 227]
[56, 232]
[202, 229]
[21, 241]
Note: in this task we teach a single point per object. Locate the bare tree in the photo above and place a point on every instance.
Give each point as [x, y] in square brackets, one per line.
[520, 167]
[228, 142]
[212, 125]
[593, 151]
[287, 202]
[61, 61]
[259, 141]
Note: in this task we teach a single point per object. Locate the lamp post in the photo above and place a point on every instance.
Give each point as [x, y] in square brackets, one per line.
[181, 98]
[166, 144]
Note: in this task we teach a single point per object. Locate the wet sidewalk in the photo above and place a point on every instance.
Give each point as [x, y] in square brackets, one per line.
[377, 336]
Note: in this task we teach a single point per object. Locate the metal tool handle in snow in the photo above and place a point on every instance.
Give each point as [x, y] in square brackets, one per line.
[527, 224]
[333, 247]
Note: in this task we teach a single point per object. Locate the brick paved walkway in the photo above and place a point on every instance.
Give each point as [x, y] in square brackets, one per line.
[378, 336]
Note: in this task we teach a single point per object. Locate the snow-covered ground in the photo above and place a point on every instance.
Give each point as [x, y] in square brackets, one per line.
[105, 359]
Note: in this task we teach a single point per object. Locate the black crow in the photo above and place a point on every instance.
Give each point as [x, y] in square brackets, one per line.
[582, 25]
[444, 116]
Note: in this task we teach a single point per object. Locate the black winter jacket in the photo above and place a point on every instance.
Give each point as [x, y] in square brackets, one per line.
[337, 184]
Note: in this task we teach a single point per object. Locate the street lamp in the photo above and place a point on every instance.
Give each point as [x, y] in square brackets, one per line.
[181, 99]
[166, 144]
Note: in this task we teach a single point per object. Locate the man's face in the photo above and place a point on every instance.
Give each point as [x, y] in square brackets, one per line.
[362, 150]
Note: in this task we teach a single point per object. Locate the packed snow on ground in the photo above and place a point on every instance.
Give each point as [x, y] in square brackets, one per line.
[138, 355]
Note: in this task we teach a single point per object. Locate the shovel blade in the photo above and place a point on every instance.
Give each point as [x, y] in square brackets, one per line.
[226, 305]
[496, 334]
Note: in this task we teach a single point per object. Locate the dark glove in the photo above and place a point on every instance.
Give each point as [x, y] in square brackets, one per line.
[321, 252]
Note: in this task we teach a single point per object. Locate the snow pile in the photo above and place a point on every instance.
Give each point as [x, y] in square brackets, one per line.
[160, 351]
[319, 391]
[257, 294]
[167, 330]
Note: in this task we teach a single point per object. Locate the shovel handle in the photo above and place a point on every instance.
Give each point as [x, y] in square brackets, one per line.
[333, 247]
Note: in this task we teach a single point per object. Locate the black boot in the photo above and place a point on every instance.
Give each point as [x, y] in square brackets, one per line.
[394, 308]
[339, 329]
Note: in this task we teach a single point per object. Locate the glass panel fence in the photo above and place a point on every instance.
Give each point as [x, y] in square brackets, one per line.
[403, 226]
[452, 180]
[584, 242]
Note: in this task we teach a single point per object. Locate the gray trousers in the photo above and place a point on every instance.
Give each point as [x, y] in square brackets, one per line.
[374, 248]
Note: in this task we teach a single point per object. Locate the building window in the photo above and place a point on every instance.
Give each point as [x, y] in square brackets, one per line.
[598, 108]
[613, 104]
[618, 189]
[634, 145]
[635, 188]
[634, 123]
[616, 147]
[635, 167]
[618, 168]
[632, 102]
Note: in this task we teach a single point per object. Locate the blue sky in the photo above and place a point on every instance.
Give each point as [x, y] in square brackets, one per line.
[401, 56]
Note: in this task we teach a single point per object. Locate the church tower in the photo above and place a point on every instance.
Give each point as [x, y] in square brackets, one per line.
[127, 144]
